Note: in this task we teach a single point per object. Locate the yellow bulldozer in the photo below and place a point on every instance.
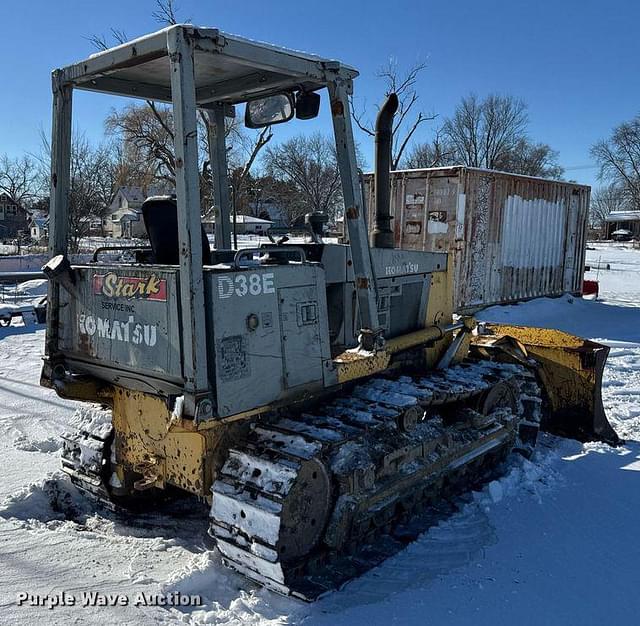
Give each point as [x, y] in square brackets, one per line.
[321, 399]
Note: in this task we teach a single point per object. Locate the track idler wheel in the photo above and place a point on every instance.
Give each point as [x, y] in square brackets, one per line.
[501, 396]
[305, 511]
[409, 418]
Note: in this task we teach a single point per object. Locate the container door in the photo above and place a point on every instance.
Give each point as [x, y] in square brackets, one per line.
[443, 212]
[568, 283]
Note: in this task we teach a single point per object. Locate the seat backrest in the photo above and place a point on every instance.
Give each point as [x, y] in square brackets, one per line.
[160, 214]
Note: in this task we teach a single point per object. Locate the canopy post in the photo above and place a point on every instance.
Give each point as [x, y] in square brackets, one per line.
[219, 176]
[194, 339]
[59, 195]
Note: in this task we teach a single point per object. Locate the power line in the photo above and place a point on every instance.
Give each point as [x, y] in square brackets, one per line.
[581, 167]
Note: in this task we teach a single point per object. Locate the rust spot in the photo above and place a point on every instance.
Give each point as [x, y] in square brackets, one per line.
[362, 283]
[352, 213]
[337, 108]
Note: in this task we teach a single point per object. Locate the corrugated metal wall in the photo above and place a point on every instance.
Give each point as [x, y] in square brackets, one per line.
[512, 237]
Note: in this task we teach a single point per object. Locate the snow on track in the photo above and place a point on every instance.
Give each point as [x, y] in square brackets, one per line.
[555, 541]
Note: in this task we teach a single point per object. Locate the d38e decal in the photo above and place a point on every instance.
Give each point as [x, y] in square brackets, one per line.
[245, 285]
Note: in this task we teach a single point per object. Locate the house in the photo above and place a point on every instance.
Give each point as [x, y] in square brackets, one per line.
[91, 226]
[624, 220]
[245, 225]
[39, 228]
[14, 219]
[270, 207]
[123, 217]
[249, 225]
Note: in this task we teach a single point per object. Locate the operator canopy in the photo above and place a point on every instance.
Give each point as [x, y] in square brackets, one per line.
[228, 69]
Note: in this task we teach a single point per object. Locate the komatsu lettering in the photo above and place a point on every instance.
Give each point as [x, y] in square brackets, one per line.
[116, 330]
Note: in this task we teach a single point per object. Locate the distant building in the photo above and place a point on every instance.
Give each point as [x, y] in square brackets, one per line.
[39, 228]
[14, 219]
[245, 225]
[270, 207]
[624, 220]
[124, 217]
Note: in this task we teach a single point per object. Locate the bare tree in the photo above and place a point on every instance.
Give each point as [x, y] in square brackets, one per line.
[166, 11]
[604, 200]
[483, 132]
[93, 171]
[531, 159]
[101, 43]
[19, 179]
[92, 187]
[409, 115]
[147, 137]
[165, 14]
[308, 165]
[492, 133]
[619, 160]
[241, 158]
[434, 153]
[147, 133]
[276, 199]
[131, 170]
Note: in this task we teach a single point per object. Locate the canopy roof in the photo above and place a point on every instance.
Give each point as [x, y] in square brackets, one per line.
[228, 68]
[623, 216]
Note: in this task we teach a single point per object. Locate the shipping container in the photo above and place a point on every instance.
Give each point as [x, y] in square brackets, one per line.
[512, 237]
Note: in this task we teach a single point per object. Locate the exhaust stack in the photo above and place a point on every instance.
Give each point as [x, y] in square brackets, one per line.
[382, 235]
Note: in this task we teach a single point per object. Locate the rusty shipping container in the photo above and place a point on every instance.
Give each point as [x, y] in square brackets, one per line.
[512, 237]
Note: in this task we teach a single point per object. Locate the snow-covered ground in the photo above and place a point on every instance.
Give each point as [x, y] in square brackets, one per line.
[555, 541]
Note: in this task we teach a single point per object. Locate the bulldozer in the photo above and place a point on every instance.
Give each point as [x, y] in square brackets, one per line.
[321, 399]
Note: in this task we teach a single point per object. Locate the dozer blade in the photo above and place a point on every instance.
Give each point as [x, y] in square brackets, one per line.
[570, 370]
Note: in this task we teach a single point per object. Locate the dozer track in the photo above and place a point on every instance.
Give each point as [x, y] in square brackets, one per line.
[86, 453]
[312, 500]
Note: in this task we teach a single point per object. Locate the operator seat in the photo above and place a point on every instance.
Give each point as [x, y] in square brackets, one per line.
[160, 214]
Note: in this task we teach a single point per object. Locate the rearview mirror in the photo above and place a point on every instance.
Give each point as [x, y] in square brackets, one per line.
[307, 105]
[270, 110]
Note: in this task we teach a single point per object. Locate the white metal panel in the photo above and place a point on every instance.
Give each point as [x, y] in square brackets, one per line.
[572, 236]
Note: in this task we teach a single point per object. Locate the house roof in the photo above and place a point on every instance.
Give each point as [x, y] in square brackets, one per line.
[132, 194]
[131, 216]
[454, 170]
[249, 219]
[41, 222]
[623, 216]
[240, 219]
[4, 197]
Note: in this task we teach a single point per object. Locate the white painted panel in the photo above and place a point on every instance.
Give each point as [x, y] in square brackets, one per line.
[460, 215]
[435, 227]
[527, 226]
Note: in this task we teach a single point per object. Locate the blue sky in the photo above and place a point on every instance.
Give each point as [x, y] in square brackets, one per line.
[574, 62]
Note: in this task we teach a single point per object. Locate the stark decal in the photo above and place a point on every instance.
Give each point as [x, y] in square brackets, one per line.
[114, 286]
